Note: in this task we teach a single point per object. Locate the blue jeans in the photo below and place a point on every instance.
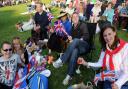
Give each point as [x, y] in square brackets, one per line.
[72, 53]
[107, 85]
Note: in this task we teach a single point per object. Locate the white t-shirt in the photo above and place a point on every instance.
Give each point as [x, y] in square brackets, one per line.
[96, 10]
[8, 69]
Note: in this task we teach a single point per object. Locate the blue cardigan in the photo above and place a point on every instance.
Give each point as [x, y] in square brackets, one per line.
[67, 25]
[109, 14]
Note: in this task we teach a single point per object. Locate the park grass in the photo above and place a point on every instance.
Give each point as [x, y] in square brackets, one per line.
[10, 15]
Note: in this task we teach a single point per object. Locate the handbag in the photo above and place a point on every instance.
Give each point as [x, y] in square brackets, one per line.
[82, 86]
[104, 18]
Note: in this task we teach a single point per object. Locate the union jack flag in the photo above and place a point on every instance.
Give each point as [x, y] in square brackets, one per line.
[105, 75]
[59, 28]
[50, 16]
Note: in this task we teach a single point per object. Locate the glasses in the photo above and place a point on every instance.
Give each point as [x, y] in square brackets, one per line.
[7, 49]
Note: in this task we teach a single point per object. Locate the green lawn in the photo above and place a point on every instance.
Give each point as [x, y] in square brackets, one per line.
[11, 14]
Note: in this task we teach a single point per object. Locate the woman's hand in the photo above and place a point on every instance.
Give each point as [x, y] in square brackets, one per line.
[114, 86]
[82, 61]
[51, 30]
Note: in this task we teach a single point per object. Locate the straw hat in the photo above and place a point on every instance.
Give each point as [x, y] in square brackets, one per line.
[62, 14]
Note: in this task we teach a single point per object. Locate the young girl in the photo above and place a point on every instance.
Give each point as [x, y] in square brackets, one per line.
[18, 48]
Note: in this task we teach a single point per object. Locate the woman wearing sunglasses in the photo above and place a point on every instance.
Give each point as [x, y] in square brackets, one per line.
[8, 66]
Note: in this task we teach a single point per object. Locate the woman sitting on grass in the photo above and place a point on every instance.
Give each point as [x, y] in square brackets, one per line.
[25, 26]
[8, 66]
[113, 57]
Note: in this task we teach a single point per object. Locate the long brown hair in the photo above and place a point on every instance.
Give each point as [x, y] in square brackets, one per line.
[101, 38]
[20, 43]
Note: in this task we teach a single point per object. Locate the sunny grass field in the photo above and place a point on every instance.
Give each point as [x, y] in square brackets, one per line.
[11, 14]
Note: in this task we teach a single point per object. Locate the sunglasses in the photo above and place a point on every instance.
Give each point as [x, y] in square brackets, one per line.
[7, 49]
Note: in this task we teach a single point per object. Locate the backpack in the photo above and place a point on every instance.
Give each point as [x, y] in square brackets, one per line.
[38, 81]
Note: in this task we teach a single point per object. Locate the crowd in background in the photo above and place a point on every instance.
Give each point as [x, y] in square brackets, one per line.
[71, 37]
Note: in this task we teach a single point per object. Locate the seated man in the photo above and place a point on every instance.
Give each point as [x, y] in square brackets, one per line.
[79, 43]
[8, 66]
[41, 23]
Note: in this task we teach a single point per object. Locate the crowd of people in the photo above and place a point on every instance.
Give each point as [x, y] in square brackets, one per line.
[11, 2]
[70, 36]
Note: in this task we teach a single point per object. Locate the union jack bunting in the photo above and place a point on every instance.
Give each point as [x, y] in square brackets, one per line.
[59, 28]
[105, 75]
[50, 16]
[27, 72]
[22, 75]
[33, 60]
[20, 80]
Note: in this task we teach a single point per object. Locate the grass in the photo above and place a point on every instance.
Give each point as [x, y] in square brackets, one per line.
[11, 14]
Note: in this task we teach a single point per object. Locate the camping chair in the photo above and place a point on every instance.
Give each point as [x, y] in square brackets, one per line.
[92, 30]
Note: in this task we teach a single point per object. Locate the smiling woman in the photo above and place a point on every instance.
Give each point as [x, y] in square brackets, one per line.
[113, 58]
[8, 66]
[108, 36]
[6, 50]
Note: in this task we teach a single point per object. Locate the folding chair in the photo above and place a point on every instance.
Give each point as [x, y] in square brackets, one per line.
[92, 30]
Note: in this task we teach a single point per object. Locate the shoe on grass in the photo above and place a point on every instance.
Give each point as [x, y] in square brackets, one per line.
[58, 63]
[66, 80]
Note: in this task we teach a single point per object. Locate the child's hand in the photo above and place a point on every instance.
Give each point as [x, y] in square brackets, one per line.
[37, 28]
[51, 30]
